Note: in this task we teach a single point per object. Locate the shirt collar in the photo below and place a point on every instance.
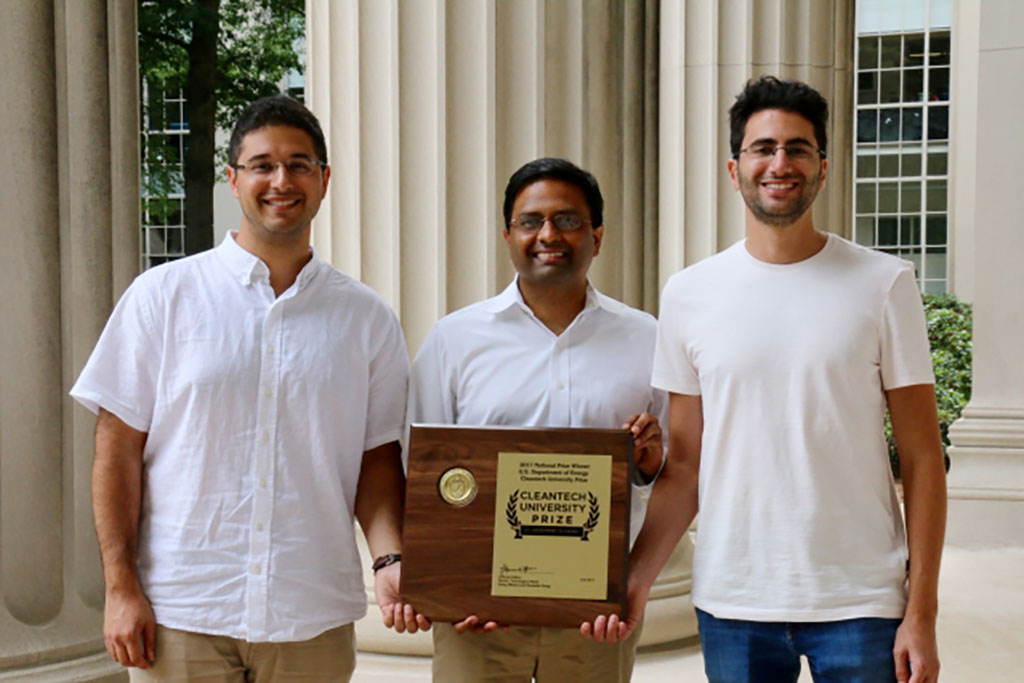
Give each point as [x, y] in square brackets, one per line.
[248, 268]
[511, 296]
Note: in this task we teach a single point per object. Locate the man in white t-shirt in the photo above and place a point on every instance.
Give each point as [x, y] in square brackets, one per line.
[781, 354]
[250, 402]
[548, 351]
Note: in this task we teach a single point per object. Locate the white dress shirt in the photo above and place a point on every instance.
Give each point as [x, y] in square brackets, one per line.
[258, 410]
[495, 363]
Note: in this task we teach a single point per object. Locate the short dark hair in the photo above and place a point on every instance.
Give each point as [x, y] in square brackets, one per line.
[277, 110]
[768, 92]
[555, 169]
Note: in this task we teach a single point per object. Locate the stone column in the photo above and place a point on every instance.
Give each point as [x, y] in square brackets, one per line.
[70, 147]
[986, 477]
[428, 107]
[708, 51]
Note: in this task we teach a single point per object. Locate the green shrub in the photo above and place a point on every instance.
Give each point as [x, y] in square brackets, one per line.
[949, 333]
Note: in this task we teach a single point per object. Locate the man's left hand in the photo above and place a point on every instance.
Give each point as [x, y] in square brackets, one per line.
[916, 652]
[647, 448]
[397, 615]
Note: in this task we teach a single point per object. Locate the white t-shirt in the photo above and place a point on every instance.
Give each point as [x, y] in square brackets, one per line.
[258, 411]
[495, 363]
[799, 520]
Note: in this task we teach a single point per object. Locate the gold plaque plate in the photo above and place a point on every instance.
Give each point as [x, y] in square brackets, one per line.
[551, 525]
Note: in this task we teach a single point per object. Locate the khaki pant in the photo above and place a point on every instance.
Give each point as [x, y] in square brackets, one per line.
[552, 655]
[186, 656]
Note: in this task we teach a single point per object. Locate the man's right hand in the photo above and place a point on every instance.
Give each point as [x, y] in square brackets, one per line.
[129, 628]
[609, 628]
[472, 624]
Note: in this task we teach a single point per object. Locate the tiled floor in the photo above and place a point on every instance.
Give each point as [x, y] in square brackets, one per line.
[981, 630]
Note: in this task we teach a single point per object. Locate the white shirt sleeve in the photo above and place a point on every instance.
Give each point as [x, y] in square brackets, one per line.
[673, 370]
[389, 384]
[432, 390]
[903, 336]
[122, 371]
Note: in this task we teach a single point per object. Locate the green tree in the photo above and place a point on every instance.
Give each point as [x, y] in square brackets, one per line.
[223, 54]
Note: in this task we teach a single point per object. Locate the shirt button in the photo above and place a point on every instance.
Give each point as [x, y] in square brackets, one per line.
[560, 386]
[270, 350]
[255, 569]
[263, 483]
[268, 393]
[265, 437]
[259, 526]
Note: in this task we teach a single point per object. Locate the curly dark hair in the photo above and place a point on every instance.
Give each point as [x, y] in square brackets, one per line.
[769, 92]
[277, 110]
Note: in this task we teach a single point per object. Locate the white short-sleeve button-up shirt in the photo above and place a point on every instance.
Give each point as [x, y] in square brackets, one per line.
[496, 363]
[258, 410]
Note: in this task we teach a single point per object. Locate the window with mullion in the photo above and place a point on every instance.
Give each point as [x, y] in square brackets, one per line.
[901, 101]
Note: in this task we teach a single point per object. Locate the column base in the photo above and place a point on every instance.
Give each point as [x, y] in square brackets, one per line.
[986, 479]
[96, 668]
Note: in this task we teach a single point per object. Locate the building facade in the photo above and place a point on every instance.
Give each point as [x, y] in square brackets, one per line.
[901, 164]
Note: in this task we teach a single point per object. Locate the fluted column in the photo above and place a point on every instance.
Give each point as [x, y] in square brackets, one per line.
[70, 198]
[986, 477]
[708, 51]
[429, 106]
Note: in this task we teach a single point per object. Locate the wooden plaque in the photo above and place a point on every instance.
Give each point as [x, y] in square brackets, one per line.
[448, 549]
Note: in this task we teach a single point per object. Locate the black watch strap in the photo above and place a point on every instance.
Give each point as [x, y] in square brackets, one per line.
[385, 560]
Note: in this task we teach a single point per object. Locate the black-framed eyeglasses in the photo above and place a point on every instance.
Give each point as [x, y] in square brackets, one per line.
[563, 222]
[297, 166]
[795, 151]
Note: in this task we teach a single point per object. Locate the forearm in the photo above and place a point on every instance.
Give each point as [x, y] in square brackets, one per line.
[673, 502]
[924, 490]
[116, 499]
[916, 428]
[379, 499]
[670, 510]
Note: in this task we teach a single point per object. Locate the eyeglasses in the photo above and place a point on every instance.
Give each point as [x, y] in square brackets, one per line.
[795, 152]
[297, 166]
[563, 222]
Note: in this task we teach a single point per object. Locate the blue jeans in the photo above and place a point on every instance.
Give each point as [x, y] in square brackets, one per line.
[737, 651]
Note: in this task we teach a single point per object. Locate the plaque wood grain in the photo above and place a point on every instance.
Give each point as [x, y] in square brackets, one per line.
[447, 550]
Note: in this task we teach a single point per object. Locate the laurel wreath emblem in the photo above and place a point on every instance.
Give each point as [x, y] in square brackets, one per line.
[511, 515]
[595, 514]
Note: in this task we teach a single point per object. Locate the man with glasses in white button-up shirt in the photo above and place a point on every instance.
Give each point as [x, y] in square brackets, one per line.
[549, 351]
[250, 402]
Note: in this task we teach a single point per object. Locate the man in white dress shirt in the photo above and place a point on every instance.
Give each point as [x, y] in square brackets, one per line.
[250, 402]
[549, 351]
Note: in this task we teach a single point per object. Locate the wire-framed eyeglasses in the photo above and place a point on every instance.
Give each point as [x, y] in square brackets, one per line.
[795, 151]
[563, 222]
[296, 166]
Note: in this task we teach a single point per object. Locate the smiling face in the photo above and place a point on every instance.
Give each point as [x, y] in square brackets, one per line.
[778, 191]
[277, 207]
[548, 257]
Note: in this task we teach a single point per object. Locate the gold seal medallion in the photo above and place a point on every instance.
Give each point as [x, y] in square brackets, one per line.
[457, 487]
